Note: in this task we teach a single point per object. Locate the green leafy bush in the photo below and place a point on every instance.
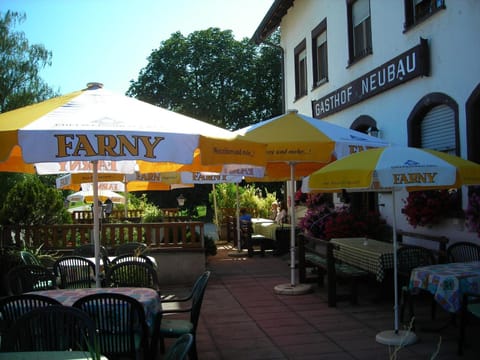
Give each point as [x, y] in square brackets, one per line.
[30, 202]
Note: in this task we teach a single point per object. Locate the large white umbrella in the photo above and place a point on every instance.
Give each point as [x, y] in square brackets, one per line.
[390, 169]
[95, 125]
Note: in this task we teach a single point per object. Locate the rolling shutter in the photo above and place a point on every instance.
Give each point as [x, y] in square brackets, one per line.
[438, 130]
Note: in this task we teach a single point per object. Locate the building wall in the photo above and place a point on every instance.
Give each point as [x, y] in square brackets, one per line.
[452, 36]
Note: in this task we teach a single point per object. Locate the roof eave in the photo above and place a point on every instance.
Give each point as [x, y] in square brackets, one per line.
[271, 20]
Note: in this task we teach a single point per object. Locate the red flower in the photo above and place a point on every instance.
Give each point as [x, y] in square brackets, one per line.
[472, 214]
[425, 208]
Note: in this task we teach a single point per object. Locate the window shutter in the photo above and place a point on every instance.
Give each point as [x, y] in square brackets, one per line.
[361, 11]
[438, 130]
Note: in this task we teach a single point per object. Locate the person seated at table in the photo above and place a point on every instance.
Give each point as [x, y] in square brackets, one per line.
[281, 216]
[274, 210]
[244, 215]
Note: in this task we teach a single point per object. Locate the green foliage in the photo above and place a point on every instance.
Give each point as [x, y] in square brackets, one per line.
[20, 84]
[20, 64]
[250, 197]
[152, 214]
[46, 258]
[213, 77]
[30, 202]
[7, 181]
[225, 194]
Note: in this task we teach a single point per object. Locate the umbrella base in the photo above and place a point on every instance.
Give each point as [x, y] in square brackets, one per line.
[400, 338]
[289, 289]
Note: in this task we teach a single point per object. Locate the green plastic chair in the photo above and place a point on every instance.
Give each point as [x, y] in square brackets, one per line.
[120, 321]
[470, 307]
[180, 348]
[175, 328]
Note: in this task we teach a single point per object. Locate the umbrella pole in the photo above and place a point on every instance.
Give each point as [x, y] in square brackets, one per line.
[292, 225]
[292, 288]
[395, 269]
[215, 210]
[96, 224]
[395, 337]
[239, 243]
[126, 197]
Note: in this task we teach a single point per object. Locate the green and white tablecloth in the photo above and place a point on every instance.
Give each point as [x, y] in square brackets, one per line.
[267, 228]
[374, 256]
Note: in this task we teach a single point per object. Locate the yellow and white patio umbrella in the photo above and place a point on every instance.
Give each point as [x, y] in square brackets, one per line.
[87, 196]
[94, 124]
[397, 167]
[297, 145]
[305, 142]
[390, 169]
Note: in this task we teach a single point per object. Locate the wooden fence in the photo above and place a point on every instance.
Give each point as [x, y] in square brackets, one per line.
[86, 216]
[188, 234]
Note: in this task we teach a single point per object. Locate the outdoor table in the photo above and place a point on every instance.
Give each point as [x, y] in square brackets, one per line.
[49, 355]
[447, 282]
[371, 255]
[267, 228]
[149, 298]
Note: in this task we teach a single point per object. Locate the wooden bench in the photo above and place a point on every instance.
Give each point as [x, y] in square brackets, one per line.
[440, 242]
[318, 254]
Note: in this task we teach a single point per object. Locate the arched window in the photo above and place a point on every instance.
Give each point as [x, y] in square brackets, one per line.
[433, 124]
[364, 201]
[473, 125]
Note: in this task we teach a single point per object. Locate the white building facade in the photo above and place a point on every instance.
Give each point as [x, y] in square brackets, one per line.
[407, 68]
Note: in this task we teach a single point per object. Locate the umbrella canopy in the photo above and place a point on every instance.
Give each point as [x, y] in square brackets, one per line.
[394, 168]
[75, 181]
[197, 167]
[154, 182]
[397, 167]
[87, 196]
[307, 142]
[297, 145]
[95, 125]
[123, 183]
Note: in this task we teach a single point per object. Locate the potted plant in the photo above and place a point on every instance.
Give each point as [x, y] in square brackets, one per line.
[429, 207]
[472, 214]
[346, 223]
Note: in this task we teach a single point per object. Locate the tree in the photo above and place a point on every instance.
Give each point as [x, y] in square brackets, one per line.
[30, 202]
[213, 77]
[20, 84]
[20, 64]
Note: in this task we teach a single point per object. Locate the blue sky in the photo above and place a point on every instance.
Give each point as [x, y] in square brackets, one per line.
[109, 41]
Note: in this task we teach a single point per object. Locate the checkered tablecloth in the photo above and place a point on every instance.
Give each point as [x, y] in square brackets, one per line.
[149, 298]
[373, 256]
[447, 282]
[267, 228]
